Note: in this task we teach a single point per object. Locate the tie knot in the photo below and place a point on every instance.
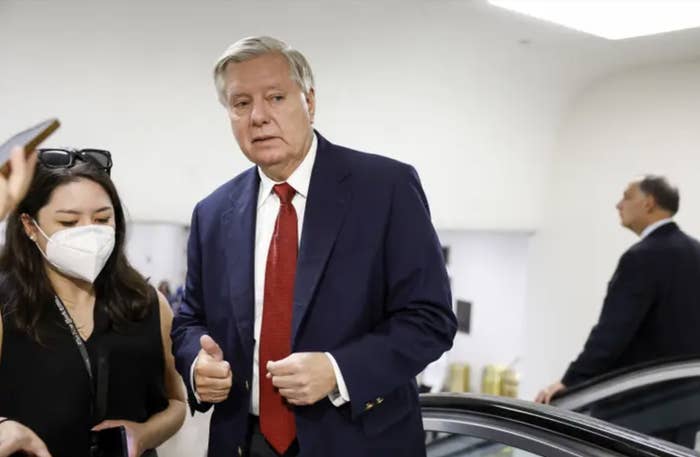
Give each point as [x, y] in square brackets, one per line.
[285, 192]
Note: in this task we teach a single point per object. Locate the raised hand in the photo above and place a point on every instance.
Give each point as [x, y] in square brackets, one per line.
[212, 374]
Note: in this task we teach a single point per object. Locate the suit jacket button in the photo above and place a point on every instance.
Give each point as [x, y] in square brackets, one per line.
[247, 386]
[379, 400]
[368, 405]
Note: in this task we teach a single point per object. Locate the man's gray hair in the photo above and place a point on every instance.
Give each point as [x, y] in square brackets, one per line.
[252, 47]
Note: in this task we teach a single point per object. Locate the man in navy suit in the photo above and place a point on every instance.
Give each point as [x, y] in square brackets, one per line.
[652, 308]
[316, 289]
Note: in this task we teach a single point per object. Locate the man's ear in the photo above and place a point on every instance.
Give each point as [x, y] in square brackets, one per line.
[311, 103]
[649, 203]
[29, 227]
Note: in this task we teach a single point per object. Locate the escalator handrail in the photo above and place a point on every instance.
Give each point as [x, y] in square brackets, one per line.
[625, 380]
[628, 369]
[567, 423]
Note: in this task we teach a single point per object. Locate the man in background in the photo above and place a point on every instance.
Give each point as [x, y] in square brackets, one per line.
[652, 307]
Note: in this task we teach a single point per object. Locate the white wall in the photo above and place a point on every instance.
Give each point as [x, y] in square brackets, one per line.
[640, 121]
[191, 440]
[429, 83]
[158, 250]
[490, 270]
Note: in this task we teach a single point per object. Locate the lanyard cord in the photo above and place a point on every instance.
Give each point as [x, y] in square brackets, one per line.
[81, 347]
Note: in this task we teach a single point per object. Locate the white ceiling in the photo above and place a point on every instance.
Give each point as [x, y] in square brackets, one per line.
[592, 56]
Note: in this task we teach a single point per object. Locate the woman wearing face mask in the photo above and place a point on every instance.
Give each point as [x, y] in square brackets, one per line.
[84, 340]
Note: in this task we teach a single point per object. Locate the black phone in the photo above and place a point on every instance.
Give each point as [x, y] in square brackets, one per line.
[110, 442]
[29, 139]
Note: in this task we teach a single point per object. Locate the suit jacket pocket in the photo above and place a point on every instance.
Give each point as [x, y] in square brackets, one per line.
[387, 411]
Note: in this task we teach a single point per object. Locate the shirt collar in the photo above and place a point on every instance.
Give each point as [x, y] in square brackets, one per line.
[650, 228]
[299, 179]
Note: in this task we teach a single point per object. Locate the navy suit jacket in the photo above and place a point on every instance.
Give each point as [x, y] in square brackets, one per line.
[371, 289]
[652, 308]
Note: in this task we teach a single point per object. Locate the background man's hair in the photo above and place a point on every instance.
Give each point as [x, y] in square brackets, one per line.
[665, 195]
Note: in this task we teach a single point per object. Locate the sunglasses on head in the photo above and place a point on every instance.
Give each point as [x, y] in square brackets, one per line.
[65, 158]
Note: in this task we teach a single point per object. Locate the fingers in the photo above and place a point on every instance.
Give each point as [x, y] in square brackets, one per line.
[214, 384]
[211, 348]
[302, 378]
[212, 374]
[287, 382]
[289, 365]
[18, 161]
[37, 447]
[541, 395]
[558, 387]
[299, 397]
[22, 171]
[545, 395]
[548, 397]
[24, 439]
[14, 186]
[213, 390]
[106, 424]
[208, 368]
[287, 376]
[215, 397]
[212, 379]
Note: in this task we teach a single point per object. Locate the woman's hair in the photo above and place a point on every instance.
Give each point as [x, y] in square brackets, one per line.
[27, 294]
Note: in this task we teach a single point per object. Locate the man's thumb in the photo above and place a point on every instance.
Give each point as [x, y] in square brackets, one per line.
[211, 348]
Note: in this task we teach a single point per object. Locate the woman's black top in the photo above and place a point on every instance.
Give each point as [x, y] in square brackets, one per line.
[46, 386]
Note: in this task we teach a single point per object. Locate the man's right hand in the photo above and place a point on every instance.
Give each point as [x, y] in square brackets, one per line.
[546, 394]
[15, 437]
[212, 374]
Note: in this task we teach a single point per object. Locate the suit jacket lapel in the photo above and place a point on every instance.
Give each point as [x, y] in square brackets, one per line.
[326, 205]
[239, 247]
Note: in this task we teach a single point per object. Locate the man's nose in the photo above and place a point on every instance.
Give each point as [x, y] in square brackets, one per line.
[260, 114]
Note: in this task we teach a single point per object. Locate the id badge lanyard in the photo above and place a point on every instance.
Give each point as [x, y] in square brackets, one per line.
[83, 351]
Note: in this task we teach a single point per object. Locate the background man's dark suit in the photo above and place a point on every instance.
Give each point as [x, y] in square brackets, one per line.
[371, 289]
[652, 308]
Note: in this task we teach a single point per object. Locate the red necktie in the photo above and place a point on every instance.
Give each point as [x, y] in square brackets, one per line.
[276, 416]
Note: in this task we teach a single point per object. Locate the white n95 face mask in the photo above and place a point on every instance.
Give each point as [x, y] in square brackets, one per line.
[79, 252]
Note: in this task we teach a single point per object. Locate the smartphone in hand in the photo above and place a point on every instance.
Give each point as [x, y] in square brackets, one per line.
[28, 139]
[109, 442]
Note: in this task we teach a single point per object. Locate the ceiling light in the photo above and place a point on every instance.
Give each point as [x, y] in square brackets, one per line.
[612, 19]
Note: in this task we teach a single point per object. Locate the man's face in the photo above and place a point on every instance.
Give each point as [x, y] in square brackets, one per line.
[634, 208]
[270, 115]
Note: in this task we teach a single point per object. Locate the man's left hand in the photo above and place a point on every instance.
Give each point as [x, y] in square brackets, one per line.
[303, 378]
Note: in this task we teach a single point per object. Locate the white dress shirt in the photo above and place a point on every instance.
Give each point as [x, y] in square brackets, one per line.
[267, 210]
[651, 227]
